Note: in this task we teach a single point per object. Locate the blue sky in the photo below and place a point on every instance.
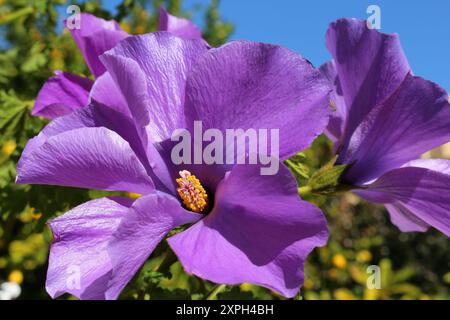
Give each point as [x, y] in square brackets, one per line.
[423, 26]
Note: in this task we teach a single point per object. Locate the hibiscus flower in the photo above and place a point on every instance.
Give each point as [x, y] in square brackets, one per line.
[385, 119]
[242, 226]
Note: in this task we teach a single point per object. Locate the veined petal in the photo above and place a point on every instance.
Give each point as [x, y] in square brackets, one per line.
[106, 92]
[62, 94]
[99, 115]
[94, 37]
[423, 192]
[94, 158]
[371, 66]
[244, 85]
[180, 27]
[91, 116]
[151, 71]
[438, 165]
[131, 82]
[413, 120]
[259, 231]
[338, 119]
[404, 219]
[151, 217]
[79, 262]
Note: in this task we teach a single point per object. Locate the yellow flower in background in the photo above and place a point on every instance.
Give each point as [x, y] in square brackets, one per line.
[16, 276]
[125, 27]
[344, 294]
[371, 294]
[246, 286]
[339, 261]
[29, 252]
[364, 256]
[36, 215]
[140, 29]
[29, 214]
[9, 147]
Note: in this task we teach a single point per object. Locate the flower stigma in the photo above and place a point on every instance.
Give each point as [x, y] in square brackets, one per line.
[192, 193]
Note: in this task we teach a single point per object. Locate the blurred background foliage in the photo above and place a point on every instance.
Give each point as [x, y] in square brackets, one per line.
[33, 45]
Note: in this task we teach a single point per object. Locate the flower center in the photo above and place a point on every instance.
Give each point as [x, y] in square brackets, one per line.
[192, 192]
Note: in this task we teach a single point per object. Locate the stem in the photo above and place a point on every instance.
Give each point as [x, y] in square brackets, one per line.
[167, 261]
[304, 191]
[214, 292]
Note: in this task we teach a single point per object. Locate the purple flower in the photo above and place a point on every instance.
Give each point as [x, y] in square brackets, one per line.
[65, 92]
[252, 228]
[385, 119]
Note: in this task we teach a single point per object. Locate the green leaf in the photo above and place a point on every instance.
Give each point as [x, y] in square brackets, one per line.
[297, 167]
[12, 111]
[7, 65]
[404, 274]
[328, 179]
[11, 16]
[36, 59]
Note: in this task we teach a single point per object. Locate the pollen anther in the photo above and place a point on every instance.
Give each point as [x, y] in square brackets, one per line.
[192, 192]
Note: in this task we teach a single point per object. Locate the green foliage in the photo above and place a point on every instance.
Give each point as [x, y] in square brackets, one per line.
[327, 180]
[216, 31]
[297, 166]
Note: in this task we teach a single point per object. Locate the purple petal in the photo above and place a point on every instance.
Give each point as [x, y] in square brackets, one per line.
[415, 119]
[98, 115]
[62, 94]
[79, 263]
[107, 93]
[423, 192]
[94, 115]
[131, 82]
[336, 125]
[94, 158]
[94, 37]
[259, 231]
[149, 220]
[253, 85]
[151, 72]
[371, 65]
[404, 219]
[438, 165]
[180, 27]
